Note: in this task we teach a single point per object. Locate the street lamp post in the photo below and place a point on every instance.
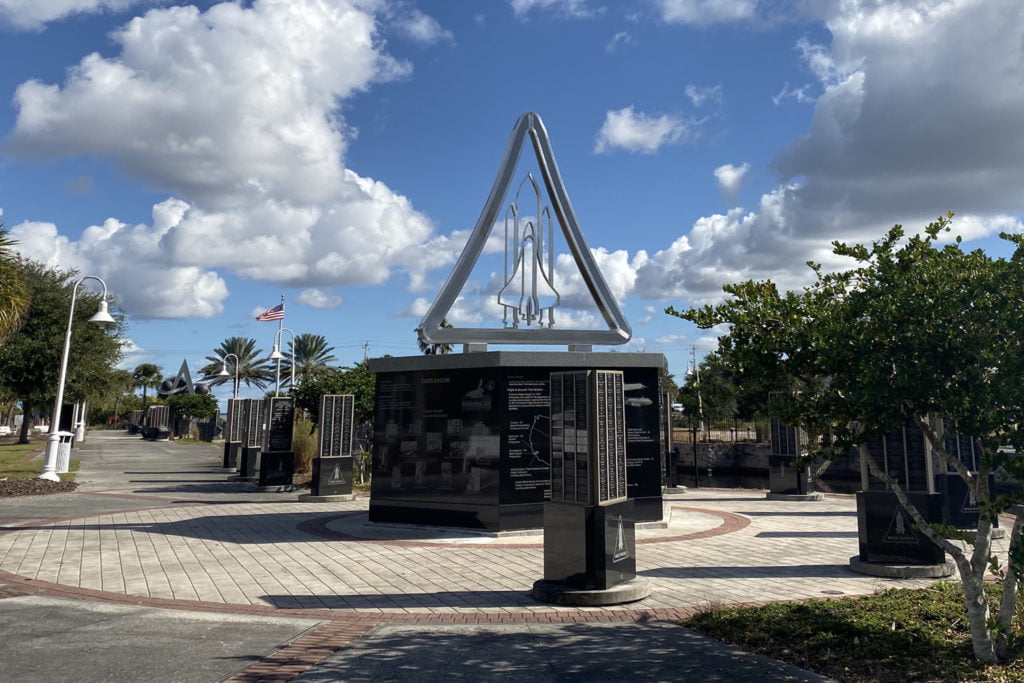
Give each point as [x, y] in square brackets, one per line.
[102, 316]
[277, 355]
[224, 370]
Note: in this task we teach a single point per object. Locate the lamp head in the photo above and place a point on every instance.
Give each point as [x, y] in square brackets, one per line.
[224, 371]
[102, 316]
[276, 354]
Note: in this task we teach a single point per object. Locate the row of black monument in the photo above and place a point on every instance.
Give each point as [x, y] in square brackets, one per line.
[258, 443]
[887, 534]
[258, 440]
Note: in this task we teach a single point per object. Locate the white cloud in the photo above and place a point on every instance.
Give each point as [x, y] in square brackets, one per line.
[706, 12]
[317, 298]
[235, 111]
[422, 28]
[798, 94]
[569, 8]
[639, 132]
[619, 39]
[919, 113]
[730, 178]
[31, 15]
[701, 94]
[132, 262]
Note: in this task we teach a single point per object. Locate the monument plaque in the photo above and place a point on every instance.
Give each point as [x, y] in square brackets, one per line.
[253, 423]
[280, 421]
[588, 437]
[234, 427]
[249, 462]
[233, 433]
[337, 420]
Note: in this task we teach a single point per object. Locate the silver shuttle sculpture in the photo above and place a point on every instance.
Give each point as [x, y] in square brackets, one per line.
[528, 296]
[529, 292]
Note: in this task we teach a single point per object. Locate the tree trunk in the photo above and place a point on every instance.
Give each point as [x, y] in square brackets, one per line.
[1011, 585]
[972, 572]
[26, 411]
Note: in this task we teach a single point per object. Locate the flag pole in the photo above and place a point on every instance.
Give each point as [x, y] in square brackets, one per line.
[280, 329]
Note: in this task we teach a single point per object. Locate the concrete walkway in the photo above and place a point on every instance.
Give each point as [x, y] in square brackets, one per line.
[158, 568]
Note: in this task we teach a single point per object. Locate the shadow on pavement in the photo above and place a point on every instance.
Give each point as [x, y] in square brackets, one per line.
[540, 653]
[816, 571]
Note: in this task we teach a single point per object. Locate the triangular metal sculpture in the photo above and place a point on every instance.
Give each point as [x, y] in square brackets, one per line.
[182, 383]
[530, 287]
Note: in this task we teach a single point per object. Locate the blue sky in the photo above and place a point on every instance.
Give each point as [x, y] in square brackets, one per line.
[205, 159]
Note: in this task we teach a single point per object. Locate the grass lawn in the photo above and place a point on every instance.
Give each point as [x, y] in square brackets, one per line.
[12, 462]
[898, 635]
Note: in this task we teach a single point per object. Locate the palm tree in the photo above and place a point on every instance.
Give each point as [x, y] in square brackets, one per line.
[14, 297]
[310, 353]
[147, 375]
[253, 370]
[436, 349]
[120, 382]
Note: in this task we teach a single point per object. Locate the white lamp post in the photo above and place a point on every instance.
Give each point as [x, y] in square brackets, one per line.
[277, 355]
[224, 370]
[101, 316]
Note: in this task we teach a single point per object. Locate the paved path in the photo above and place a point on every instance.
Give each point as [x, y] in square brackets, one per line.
[158, 549]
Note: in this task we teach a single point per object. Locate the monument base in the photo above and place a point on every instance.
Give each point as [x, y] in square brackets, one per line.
[887, 535]
[559, 593]
[276, 470]
[332, 477]
[902, 571]
[795, 497]
[589, 547]
[232, 453]
[310, 498]
[249, 463]
[276, 488]
[786, 479]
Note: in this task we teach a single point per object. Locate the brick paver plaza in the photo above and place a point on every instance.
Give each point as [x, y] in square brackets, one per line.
[177, 540]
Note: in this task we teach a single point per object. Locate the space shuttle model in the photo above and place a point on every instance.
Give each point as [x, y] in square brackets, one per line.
[528, 293]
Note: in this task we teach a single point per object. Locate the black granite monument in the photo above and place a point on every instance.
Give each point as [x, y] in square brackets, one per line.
[233, 432]
[589, 526]
[277, 460]
[332, 469]
[252, 443]
[887, 534]
[787, 479]
[462, 440]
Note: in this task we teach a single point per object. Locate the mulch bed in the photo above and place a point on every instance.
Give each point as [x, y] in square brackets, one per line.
[33, 487]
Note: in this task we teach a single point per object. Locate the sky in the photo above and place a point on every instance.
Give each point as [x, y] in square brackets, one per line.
[207, 159]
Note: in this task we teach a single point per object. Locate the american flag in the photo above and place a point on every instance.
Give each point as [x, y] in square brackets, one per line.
[275, 313]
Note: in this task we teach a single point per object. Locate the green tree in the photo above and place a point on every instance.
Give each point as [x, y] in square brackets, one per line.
[193, 406]
[14, 294]
[147, 375]
[436, 349]
[912, 332]
[357, 380]
[252, 370]
[310, 352]
[30, 360]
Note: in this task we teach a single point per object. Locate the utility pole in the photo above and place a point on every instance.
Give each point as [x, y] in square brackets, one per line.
[366, 351]
[696, 373]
